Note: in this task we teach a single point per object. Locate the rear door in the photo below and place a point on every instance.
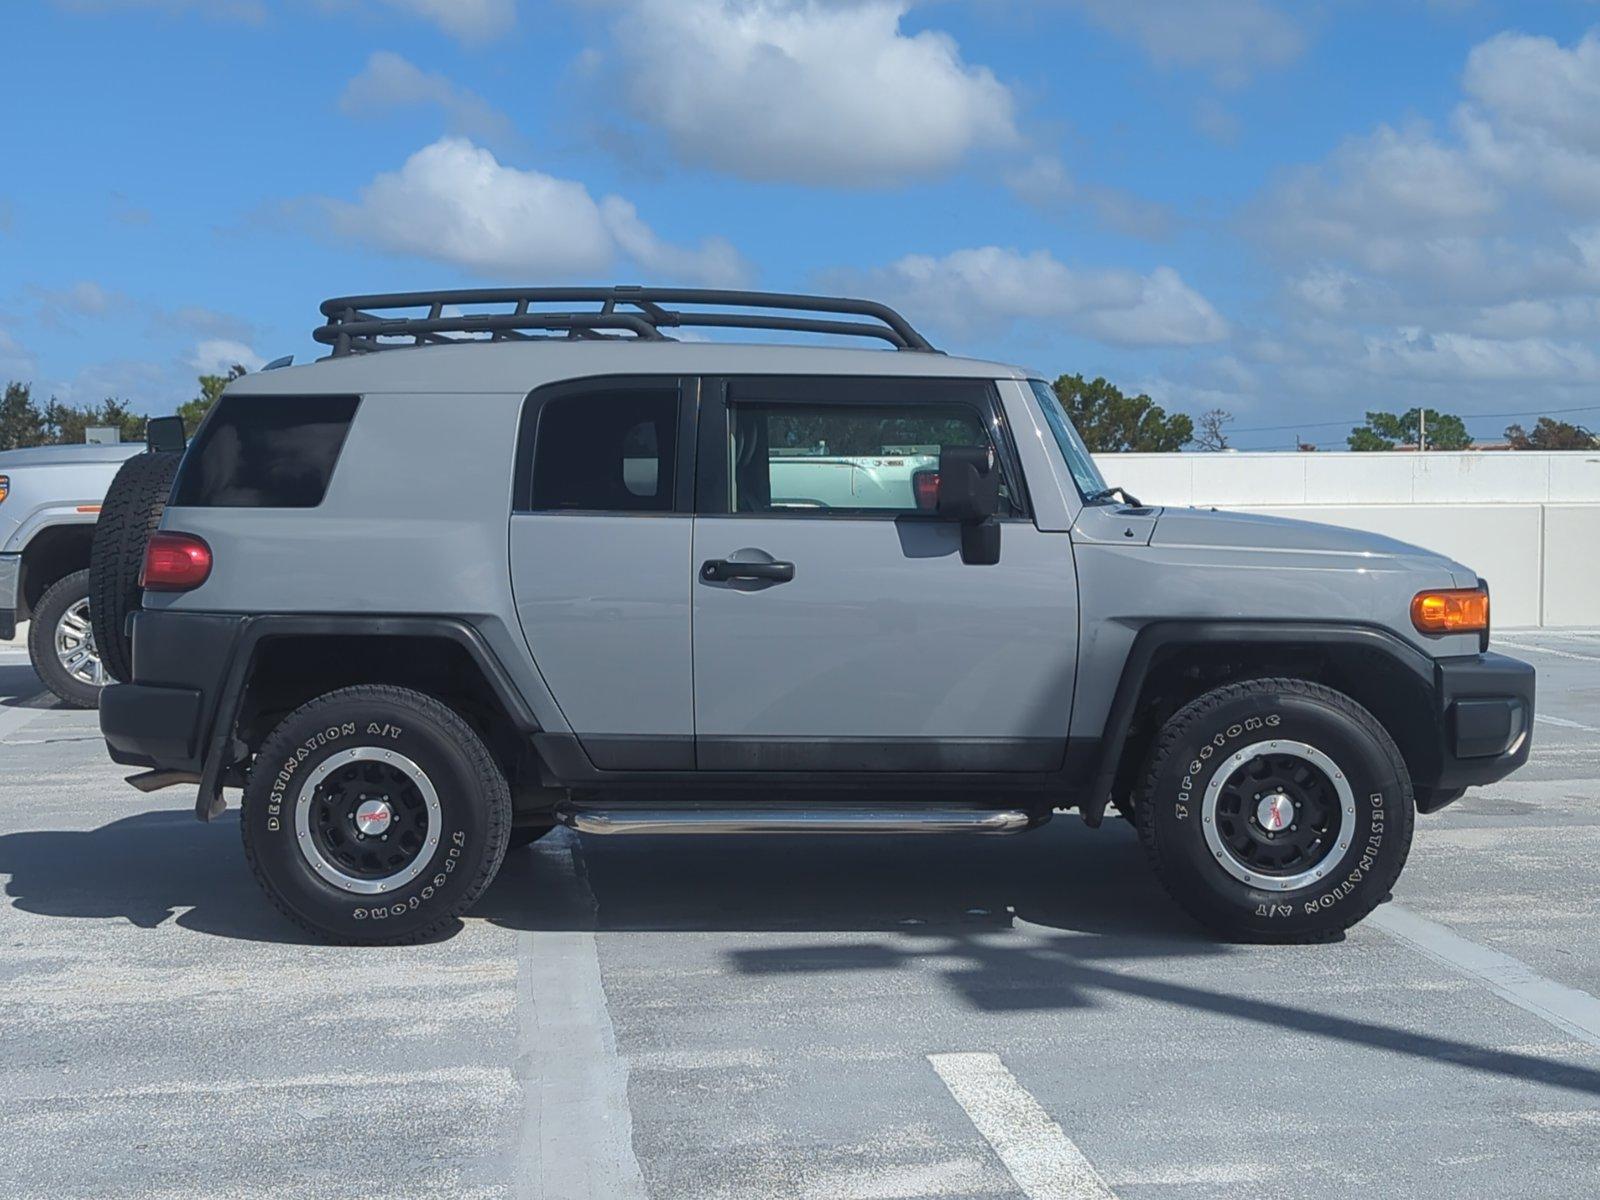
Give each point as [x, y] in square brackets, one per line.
[601, 536]
[861, 641]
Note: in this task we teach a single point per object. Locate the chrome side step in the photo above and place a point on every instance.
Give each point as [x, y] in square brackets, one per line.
[619, 819]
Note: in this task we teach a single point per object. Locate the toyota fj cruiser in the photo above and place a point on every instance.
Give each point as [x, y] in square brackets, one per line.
[507, 560]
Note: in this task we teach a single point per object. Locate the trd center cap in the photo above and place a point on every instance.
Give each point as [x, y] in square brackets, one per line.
[1275, 812]
[374, 817]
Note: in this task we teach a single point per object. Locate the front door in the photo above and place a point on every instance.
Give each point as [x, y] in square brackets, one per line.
[836, 627]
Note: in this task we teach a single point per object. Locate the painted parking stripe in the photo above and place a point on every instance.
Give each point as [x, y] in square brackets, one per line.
[13, 719]
[1044, 1161]
[1572, 1011]
[1563, 723]
[1524, 646]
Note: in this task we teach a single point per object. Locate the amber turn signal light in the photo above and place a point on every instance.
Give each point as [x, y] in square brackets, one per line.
[5, 486]
[1460, 610]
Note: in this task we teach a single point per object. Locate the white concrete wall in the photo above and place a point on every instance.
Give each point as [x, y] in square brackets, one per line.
[1528, 522]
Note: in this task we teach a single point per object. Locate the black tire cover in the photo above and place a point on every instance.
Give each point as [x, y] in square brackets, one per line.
[128, 515]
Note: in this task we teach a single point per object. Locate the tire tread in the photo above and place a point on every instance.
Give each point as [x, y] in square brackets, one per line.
[491, 781]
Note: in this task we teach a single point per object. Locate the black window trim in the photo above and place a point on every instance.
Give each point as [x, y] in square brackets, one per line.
[718, 393]
[212, 417]
[688, 389]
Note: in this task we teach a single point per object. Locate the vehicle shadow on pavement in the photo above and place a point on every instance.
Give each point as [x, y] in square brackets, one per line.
[1084, 907]
[143, 869]
[20, 688]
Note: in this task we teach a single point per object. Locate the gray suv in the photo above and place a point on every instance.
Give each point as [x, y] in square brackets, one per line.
[507, 560]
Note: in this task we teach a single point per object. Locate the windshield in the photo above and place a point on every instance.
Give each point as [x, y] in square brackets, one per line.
[1084, 473]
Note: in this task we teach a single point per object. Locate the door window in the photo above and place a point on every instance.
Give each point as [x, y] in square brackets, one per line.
[801, 458]
[606, 451]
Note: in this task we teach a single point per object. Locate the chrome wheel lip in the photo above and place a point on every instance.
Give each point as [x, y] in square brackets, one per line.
[1340, 838]
[75, 646]
[314, 857]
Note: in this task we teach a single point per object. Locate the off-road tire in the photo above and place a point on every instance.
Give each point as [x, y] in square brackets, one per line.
[129, 514]
[57, 599]
[1194, 747]
[474, 815]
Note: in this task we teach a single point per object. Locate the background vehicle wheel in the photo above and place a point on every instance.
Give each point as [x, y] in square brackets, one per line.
[374, 814]
[61, 642]
[527, 835]
[1276, 810]
[128, 516]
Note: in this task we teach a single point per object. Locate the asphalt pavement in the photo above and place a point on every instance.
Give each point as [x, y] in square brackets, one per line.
[865, 1019]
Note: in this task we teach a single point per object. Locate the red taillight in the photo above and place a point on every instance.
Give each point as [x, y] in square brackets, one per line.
[174, 562]
[925, 486]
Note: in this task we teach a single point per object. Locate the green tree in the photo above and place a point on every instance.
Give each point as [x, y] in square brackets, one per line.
[193, 411]
[1384, 431]
[1110, 421]
[1550, 434]
[21, 422]
[68, 424]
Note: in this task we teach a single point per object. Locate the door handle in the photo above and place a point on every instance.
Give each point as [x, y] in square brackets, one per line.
[720, 570]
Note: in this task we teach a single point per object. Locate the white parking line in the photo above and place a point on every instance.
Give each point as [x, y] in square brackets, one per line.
[1563, 723]
[1044, 1161]
[1568, 1009]
[1546, 650]
[14, 718]
[576, 1140]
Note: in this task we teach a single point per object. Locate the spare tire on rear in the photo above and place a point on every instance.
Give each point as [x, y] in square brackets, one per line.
[128, 516]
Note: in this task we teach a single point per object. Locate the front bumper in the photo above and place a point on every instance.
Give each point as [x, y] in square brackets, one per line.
[1485, 722]
[10, 578]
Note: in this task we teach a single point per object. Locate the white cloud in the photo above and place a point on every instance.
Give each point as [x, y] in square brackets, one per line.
[213, 356]
[807, 91]
[1043, 183]
[1231, 39]
[15, 360]
[991, 287]
[454, 202]
[389, 82]
[1417, 354]
[474, 21]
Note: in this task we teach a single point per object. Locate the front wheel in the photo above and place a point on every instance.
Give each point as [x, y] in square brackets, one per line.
[61, 643]
[375, 814]
[1276, 810]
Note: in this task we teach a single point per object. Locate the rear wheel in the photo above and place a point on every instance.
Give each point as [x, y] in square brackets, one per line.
[61, 642]
[375, 815]
[1276, 810]
[128, 516]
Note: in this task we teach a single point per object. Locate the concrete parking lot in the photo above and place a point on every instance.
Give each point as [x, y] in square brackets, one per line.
[815, 1018]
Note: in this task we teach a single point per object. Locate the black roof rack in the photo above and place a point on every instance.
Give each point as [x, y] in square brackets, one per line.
[359, 324]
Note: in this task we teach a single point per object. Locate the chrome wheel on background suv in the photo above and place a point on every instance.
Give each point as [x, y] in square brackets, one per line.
[62, 643]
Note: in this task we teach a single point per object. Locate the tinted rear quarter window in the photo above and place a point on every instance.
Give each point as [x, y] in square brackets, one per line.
[611, 450]
[265, 452]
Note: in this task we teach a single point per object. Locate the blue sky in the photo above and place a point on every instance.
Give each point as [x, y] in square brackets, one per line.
[1292, 212]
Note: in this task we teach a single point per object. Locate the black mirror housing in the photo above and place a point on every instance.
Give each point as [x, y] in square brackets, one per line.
[164, 434]
[969, 484]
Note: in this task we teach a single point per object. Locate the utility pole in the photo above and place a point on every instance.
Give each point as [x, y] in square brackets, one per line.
[1422, 430]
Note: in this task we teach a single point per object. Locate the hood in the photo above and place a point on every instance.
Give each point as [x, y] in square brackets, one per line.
[1209, 527]
[45, 456]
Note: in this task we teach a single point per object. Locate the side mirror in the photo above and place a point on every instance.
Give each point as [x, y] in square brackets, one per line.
[969, 484]
[969, 492]
[164, 434]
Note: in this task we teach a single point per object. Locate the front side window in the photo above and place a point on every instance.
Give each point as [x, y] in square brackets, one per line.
[1079, 462]
[819, 458]
[607, 451]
